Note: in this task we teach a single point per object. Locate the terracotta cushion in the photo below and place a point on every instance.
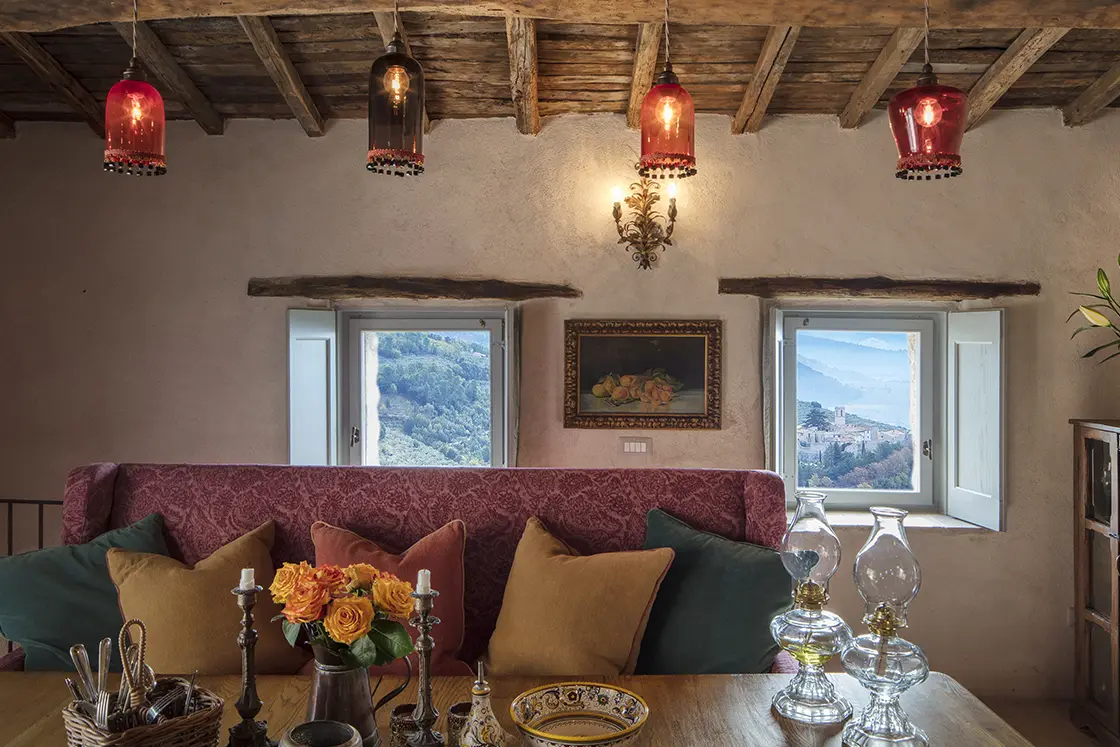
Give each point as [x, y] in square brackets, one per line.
[570, 615]
[192, 618]
[441, 552]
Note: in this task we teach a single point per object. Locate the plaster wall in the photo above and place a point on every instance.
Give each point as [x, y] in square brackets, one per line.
[127, 334]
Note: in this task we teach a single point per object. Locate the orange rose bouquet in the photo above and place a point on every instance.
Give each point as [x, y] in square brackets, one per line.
[354, 613]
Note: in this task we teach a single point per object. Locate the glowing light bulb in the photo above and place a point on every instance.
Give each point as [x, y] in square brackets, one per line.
[671, 190]
[136, 109]
[669, 112]
[616, 193]
[396, 82]
[928, 112]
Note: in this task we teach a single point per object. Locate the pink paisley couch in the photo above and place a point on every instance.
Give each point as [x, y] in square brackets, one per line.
[594, 510]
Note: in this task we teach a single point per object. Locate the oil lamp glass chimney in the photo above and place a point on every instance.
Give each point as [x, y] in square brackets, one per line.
[811, 554]
[888, 577]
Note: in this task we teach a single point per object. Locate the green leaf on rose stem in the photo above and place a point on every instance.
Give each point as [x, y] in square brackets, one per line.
[1102, 282]
[391, 637]
[281, 617]
[1099, 348]
[291, 632]
[364, 652]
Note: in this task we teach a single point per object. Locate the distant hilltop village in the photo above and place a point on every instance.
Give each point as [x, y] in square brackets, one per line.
[816, 434]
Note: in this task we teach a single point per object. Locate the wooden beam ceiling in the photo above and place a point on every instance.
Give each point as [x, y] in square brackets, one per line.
[521, 38]
[1016, 60]
[37, 15]
[388, 24]
[283, 72]
[55, 76]
[883, 71]
[1103, 91]
[646, 47]
[764, 80]
[159, 60]
[7, 127]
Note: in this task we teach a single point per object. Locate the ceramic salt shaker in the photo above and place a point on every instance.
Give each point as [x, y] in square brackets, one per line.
[482, 728]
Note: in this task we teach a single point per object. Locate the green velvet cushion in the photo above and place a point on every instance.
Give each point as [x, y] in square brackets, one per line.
[712, 614]
[59, 596]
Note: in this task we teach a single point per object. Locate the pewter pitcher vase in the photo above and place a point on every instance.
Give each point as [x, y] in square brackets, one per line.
[340, 692]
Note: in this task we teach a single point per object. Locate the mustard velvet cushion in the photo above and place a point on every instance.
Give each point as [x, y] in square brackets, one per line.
[566, 614]
[192, 618]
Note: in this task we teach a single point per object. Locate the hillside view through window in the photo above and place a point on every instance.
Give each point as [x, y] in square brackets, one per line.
[426, 398]
[856, 408]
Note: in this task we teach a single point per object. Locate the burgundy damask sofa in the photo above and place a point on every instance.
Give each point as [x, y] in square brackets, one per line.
[594, 510]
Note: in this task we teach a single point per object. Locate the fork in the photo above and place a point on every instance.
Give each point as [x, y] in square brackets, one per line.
[101, 718]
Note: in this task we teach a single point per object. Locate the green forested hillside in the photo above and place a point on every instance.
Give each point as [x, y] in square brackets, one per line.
[435, 398]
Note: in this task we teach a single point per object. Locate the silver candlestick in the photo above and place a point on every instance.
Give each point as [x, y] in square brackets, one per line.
[425, 713]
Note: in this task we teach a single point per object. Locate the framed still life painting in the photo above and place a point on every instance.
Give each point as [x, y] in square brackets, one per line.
[642, 374]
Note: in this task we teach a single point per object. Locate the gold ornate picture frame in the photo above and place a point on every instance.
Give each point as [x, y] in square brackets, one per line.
[641, 373]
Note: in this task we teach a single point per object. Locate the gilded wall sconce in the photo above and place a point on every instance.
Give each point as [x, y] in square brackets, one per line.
[647, 231]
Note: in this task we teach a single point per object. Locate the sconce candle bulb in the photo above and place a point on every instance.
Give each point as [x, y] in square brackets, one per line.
[648, 230]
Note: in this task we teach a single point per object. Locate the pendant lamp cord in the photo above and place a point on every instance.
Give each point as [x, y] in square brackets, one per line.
[667, 60]
[135, 21]
[396, 16]
[925, 36]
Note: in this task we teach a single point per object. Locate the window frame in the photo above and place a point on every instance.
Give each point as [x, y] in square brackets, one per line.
[930, 322]
[352, 323]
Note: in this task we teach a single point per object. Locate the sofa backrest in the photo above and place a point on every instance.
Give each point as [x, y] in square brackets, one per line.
[593, 510]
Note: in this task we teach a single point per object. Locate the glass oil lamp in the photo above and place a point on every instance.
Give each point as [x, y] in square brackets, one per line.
[888, 577]
[811, 553]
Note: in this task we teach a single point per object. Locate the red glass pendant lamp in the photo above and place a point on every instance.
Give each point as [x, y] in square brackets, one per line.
[396, 112]
[668, 125]
[928, 123]
[134, 121]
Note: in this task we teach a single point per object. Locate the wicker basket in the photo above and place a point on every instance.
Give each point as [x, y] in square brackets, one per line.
[199, 728]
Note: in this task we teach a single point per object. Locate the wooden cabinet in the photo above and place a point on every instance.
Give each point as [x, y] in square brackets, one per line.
[1096, 703]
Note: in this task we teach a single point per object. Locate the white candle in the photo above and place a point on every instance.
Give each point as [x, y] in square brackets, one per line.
[248, 580]
[424, 581]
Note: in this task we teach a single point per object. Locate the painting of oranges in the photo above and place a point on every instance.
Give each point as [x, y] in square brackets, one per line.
[654, 387]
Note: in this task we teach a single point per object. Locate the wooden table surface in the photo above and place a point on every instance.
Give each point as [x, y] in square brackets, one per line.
[685, 711]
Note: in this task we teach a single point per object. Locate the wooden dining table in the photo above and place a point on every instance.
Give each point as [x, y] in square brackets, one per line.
[685, 711]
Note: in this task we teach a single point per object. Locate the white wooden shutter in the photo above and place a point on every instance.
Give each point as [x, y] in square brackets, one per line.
[312, 387]
[975, 418]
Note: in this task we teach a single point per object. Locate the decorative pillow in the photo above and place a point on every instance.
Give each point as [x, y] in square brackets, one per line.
[60, 596]
[192, 618]
[566, 614]
[683, 635]
[441, 552]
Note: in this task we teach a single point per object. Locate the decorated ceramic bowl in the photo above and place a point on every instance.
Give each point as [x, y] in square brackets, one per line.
[587, 714]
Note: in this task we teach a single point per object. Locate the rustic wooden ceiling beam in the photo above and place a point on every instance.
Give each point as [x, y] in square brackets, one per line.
[159, 60]
[899, 47]
[521, 39]
[388, 24]
[764, 80]
[876, 287]
[56, 76]
[263, 36]
[1016, 60]
[339, 287]
[646, 48]
[1102, 92]
[37, 15]
[7, 127]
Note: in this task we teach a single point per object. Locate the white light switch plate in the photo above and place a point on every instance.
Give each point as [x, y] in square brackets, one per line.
[635, 446]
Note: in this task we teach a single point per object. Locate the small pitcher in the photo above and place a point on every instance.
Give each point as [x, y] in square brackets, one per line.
[340, 692]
